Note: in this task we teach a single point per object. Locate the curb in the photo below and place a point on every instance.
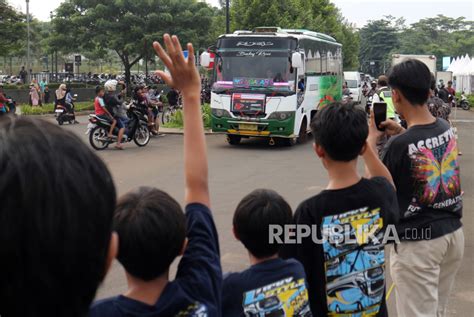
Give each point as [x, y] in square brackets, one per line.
[177, 132]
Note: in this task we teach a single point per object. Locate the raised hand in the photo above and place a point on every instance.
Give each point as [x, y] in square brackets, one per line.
[184, 75]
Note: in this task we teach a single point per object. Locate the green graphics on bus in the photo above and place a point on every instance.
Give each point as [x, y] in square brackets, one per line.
[329, 90]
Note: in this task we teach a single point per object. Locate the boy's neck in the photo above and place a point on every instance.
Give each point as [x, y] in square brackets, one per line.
[417, 115]
[147, 292]
[342, 174]
[255, 261]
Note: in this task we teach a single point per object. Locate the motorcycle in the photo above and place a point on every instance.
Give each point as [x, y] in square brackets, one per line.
[464, 103]
[136, 129]
[66, 114]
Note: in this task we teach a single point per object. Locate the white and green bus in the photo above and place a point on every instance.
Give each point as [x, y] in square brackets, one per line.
[270, 82]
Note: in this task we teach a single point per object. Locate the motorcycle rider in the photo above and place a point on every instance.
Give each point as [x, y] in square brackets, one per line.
[101, 110]
[60, 96]
[443, 93]
[115, 107]
[3, 101]
[70, 103]
[373, 89]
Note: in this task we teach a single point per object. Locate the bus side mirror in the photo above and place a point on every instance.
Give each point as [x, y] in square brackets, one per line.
[205, 59]
[297, 60]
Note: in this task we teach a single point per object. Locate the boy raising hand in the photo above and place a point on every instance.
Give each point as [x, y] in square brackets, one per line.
[153, 230]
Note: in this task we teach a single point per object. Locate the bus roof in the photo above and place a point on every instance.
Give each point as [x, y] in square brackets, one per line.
[278, 32]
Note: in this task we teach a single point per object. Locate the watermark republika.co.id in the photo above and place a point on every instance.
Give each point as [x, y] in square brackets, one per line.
[343, 234]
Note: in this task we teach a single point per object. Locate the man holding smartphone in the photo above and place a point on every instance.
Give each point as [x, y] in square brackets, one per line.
[423, 161]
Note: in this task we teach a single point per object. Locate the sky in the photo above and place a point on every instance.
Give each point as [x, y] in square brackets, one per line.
[355, 11]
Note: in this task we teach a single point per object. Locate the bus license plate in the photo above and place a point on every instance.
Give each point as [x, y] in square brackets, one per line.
[248, 127]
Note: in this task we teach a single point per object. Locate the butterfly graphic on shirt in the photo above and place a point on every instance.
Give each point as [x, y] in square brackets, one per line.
[433, 176]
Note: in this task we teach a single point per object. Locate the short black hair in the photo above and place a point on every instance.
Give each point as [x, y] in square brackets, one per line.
[413, 79]
[341, 129]
[56, 212]
[98, 89]
[382, 81]
[152, 229]
[253, 217]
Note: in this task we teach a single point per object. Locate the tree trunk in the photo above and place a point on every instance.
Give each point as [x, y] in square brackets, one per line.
[128, 69]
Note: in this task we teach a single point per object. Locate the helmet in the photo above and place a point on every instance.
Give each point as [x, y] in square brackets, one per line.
[111, 85]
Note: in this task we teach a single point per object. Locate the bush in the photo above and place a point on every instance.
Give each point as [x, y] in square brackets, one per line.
[178, 122]
[49, 108]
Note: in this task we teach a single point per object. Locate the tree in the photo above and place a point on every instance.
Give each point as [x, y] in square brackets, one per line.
[439, 36]
[129, 27]
[12, 29]
[378, 39]
[316, 15]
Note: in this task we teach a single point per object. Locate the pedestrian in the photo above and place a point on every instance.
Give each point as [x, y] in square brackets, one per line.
[437, 107]
[23, 75]
[255, 215]
[423, 161]
[56, 237]
[154, 231]
[3, 101]
[47, 94]
[42, 86]
[34, 95]
[343, 264]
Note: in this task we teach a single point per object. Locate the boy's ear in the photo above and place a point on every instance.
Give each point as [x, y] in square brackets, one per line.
[183, 248]
[113, 251]
[235, 233]
[318, 149]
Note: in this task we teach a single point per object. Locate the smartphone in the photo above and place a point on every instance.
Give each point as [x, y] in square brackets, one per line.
[380, 114]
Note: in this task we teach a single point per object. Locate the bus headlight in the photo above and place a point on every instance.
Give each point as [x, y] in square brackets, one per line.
[281, 115]
[220, 113]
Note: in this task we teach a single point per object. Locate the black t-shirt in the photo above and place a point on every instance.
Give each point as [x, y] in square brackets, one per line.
[272, 288]
[112, 103]
[196, 291]
[424, 165]
[346, 268]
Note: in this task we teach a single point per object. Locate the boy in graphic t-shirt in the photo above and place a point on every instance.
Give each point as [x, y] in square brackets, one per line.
[346, 267]
[271, 286]
[423, 161]
[153, 230]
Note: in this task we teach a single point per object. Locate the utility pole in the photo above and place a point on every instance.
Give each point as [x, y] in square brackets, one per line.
[227, 16]
[28, 62]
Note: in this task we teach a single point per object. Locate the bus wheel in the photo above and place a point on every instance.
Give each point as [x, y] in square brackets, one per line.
[303, 135]
[286, 141]
[233, 139]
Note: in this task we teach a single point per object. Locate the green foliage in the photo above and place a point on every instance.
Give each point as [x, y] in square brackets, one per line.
[129, 27]
[49, 108]
[439, 36]
[177, 120]
[12, 29]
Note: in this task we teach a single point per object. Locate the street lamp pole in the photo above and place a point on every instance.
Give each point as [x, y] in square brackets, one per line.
[227, 16]
[28, 63]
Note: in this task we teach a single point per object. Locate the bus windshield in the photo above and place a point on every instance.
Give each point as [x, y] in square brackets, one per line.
[254, 70]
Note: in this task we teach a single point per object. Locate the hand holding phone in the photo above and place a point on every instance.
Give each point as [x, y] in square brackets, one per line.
[380, 114]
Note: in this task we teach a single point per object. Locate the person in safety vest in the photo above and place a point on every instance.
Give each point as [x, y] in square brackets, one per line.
[384, 94]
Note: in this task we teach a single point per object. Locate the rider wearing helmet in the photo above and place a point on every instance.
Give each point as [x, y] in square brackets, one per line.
[114, 106]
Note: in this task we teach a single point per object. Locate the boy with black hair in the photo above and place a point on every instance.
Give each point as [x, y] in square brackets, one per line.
[101, 110]
[271, 285]
[423, 161]
[152, 227]
[56, 240]
[345, 265]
